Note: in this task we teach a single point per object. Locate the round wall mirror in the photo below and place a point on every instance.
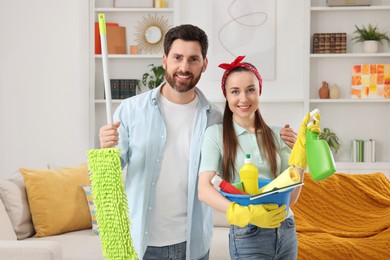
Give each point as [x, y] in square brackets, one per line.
[150, 33]
[153, 34]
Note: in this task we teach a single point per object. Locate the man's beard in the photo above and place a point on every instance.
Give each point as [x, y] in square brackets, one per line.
[179, 86]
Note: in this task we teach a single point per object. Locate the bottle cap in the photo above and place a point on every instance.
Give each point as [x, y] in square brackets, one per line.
[248, 158]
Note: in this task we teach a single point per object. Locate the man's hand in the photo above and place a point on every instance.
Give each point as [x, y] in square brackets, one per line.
[288, 135]
[109, 135]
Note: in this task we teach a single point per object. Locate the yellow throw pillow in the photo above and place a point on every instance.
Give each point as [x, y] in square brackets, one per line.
[57, 199]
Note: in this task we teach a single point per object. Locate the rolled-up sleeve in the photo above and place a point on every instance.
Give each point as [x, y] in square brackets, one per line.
[211, 155]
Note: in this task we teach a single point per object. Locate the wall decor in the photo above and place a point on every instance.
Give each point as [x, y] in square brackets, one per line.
[245, 27]
[370, 81]
[150, 33]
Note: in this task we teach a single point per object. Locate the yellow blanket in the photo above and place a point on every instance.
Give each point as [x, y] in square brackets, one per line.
[346, 216]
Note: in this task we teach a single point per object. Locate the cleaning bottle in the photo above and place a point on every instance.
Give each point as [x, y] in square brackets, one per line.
[319, 156]
[249, 176]
[225, 186]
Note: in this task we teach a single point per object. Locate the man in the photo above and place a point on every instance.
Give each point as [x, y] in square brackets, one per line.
[159, 134]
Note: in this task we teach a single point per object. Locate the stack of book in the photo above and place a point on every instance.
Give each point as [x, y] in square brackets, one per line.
[123, 88]
[363, 150]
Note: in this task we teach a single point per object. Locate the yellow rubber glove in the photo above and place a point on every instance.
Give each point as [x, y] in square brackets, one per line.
[261, 215]
[298, 152]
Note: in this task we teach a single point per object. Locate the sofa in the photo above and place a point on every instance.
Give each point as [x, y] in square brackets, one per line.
[63, 238]
[346, 216]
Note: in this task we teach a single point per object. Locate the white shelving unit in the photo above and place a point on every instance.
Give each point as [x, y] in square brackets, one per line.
[121, 66]
[348, 118]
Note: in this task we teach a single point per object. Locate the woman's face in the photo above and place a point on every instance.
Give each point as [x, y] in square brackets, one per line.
[242, 94]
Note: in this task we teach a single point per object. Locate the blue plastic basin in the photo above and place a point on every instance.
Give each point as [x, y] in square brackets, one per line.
[276, 198]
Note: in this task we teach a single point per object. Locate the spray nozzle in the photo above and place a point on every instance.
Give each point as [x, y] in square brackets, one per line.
[313, 116]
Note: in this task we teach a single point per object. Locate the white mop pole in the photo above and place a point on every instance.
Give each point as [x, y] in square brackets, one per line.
[107, 86]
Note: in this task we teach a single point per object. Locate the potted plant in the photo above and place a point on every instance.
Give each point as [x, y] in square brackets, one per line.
[331, 139]
[155, 77]
[371, 37]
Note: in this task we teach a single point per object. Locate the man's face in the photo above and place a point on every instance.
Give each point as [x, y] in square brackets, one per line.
[184, 65]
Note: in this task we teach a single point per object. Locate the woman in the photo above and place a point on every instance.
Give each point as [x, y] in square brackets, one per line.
[264, 231]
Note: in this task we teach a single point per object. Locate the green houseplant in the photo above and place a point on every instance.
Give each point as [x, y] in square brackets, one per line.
[371, 37]
[154, 77]
[331, 138]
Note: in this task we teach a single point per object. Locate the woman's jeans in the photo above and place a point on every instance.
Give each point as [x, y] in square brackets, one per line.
[171, 252]
[252, 242]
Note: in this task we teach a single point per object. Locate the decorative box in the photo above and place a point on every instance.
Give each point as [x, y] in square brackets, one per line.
[329, 43]
[348, 2]
[370, 81]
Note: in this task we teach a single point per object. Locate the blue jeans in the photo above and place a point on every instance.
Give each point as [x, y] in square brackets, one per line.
[252, 242]
[171, 252]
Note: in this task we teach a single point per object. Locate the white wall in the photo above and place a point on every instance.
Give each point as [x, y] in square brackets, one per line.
[288, 83]
[44, 74]
[43, 83]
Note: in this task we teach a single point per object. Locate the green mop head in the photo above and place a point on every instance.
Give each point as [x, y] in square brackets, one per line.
[110, 199]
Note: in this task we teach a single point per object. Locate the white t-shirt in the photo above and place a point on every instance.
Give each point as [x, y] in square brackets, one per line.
[168, 221]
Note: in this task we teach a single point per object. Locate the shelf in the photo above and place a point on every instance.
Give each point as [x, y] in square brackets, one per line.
[349, 8]
[122, 66]
[222, 100]
[135, 10]
[131, 56]
[336, 68]
[363, 165]
[350, 55]
[103, 101]
[368, 100]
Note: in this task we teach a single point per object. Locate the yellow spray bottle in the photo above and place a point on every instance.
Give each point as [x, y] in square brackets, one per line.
[249, 176]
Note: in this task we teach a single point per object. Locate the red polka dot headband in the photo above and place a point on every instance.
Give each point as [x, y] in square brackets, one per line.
[237, 63]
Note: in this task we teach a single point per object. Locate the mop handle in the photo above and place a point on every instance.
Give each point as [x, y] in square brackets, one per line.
[107, 87]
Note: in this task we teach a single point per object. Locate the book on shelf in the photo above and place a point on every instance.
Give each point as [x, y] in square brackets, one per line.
[115, 88]
[128, 88]
[98, 46]
[116, 40]
[363, 150]
[123, 88]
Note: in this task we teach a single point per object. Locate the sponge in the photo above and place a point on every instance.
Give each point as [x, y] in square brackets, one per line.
[110, 199]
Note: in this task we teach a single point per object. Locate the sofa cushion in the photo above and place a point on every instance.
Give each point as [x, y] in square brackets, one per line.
[92, 208]
[57, 200]
[76, 245]
[14, 197]
[7, 232]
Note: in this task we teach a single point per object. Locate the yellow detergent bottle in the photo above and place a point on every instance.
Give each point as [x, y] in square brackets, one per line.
[249, 176]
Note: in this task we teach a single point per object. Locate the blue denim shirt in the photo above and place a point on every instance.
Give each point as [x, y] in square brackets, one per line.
[142, 138]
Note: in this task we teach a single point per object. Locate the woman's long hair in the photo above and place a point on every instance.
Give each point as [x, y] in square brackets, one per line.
[230, 143]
